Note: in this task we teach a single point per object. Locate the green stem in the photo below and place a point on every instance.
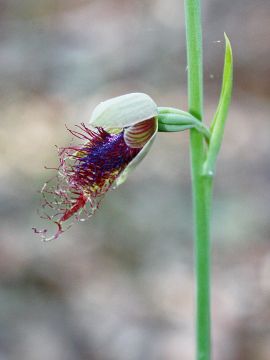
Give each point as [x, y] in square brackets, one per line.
[201, 185]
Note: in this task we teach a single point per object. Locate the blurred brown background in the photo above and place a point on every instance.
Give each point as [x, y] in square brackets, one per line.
[120, 286]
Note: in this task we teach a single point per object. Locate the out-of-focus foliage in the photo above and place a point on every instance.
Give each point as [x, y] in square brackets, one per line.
[120, 286]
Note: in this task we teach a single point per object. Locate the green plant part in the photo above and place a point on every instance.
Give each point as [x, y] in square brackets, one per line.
[219, 121]
[120, 133]
[203, 161]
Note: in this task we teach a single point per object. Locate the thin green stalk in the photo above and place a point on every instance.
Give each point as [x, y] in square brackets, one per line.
[170, 119]
[201, 185]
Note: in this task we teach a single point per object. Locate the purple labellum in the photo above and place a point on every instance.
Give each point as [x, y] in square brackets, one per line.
[86, 172]
[99, 162]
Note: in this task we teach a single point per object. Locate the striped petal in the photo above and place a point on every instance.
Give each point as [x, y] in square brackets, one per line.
[136, 136]
[142, 153]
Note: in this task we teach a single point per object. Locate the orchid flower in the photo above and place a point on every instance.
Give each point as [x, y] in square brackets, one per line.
[119, 135]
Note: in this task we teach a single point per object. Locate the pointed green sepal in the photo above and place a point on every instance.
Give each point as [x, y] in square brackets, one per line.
[123, 111]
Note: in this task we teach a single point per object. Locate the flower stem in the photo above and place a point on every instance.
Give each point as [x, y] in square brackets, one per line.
[171, 119]
[201, 184]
